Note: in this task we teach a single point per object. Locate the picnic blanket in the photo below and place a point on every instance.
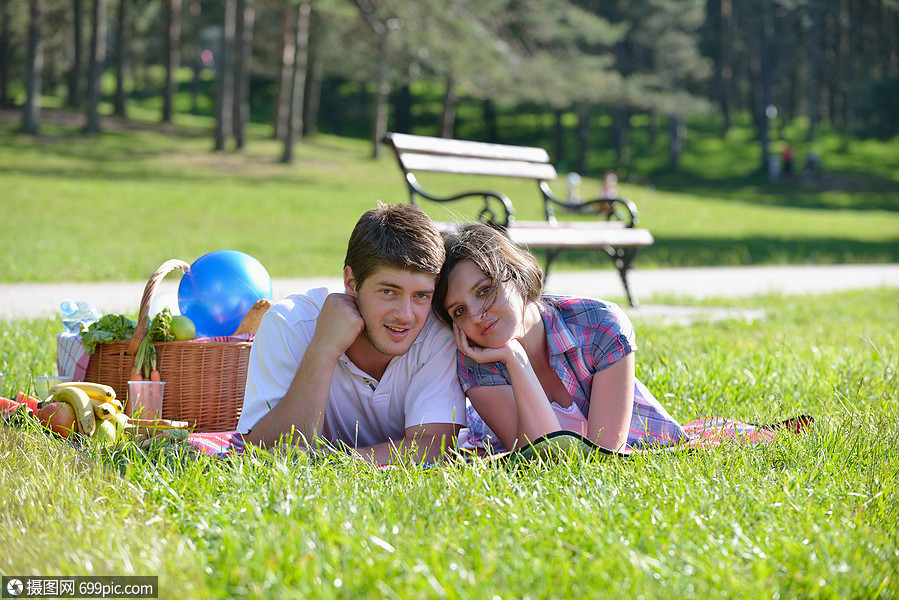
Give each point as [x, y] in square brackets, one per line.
[701, 434]
[218, 444]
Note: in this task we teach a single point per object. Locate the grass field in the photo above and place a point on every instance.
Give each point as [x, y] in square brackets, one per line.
[115, 206]
[810, 516]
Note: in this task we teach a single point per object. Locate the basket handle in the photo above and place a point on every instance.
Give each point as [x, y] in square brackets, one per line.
[164, 269]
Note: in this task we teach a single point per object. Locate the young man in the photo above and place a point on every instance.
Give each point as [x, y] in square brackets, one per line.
[370, 369]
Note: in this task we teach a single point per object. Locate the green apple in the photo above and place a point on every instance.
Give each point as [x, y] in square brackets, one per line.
[183, 328]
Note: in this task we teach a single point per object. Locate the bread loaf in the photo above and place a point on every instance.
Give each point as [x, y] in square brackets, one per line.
[250, 323]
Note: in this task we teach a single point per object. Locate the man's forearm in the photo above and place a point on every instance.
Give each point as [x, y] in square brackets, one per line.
[302, 409]
[422, 448]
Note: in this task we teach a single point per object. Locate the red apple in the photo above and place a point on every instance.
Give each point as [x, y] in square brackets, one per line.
[58, 417]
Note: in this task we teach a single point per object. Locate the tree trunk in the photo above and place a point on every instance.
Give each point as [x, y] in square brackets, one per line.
[831, 77]
[313, 92]
[246, 16]
[845, 61]
[297, 80]
[559, 140]
[382, 94]
[677, 130]
[195, 12]
[490, 126]
[763, 68]
[450, 102]
[621, 124]
[74, 97]
[172, 45]
[583, 138]
[5, 45]
[892, 52]
[123, 40]
[402, 109]
[97, 63]
[794, 69]
[288, 50]
[725, 78]
[224, 121]
[31, 112]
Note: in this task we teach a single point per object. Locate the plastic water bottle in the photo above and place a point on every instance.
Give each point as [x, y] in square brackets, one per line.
[75, 314]
[574, 187]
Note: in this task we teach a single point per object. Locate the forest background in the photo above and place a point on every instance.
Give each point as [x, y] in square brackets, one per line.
[576, 74]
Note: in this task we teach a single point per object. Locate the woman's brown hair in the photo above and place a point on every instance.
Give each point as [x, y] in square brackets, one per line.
[496, 256]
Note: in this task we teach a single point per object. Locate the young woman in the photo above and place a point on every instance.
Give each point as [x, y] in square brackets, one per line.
[532, 364]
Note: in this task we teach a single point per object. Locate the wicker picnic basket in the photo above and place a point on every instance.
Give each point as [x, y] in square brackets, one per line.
[204, 380]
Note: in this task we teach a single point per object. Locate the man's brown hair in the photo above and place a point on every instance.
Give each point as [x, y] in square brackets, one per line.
[398, 236]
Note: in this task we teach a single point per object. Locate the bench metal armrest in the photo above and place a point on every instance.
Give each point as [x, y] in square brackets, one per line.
[615, 209]
[487, 215]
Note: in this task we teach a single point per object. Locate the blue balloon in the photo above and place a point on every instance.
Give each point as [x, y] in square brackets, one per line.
[219, 288]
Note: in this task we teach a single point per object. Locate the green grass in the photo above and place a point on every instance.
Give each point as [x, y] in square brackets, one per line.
[811, 516]
[115, 206]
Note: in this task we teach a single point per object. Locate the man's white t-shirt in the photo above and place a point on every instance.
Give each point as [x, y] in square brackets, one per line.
[418, 387]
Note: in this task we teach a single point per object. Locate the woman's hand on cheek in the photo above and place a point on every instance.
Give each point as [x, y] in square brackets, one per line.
[479, 353]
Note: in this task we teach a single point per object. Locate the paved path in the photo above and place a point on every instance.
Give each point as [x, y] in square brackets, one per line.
[31, 300]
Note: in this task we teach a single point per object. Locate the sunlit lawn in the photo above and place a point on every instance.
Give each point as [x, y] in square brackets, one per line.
[115, 206]
[808, 516]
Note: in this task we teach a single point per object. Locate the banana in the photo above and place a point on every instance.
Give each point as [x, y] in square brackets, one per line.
[80, 401]
[103, 411]
[102, 398]
[93, 390]
[112, 402]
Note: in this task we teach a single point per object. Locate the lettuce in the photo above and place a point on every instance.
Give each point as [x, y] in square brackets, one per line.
[108, 329]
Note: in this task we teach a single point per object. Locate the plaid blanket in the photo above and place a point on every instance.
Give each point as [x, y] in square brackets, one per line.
[710, 432]
[218, 444]
[701, 434]
[704, 433]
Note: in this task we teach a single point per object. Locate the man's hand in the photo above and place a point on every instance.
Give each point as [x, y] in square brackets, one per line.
[302, 409]
[431, 442]
[339, 324]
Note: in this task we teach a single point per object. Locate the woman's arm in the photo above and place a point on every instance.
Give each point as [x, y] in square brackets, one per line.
[535, 415]
[612, 403]
[518, 413]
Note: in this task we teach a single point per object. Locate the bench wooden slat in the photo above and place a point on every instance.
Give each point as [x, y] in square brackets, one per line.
[587, 225]
[567, 237]
[476, 166]
[539, 234]
[404, 142]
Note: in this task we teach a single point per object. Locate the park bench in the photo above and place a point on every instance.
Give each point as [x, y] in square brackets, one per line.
[616, 234]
